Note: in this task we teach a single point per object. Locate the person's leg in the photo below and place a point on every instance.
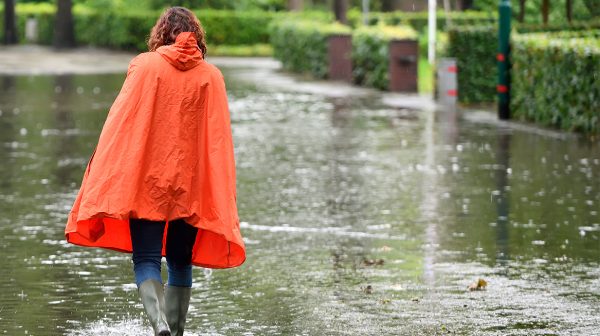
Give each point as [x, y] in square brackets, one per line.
[180, 241]
[146, 241]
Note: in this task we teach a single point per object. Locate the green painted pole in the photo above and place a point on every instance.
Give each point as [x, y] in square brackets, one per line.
[503, 58]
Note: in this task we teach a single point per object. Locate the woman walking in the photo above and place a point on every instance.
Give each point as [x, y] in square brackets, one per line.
[163, 171]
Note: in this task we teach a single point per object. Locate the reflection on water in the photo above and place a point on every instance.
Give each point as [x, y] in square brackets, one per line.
[358, 218]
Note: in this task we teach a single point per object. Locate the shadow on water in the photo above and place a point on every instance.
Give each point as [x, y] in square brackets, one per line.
[359, 219]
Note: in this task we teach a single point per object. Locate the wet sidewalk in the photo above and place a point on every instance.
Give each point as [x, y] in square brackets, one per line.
[42, 60]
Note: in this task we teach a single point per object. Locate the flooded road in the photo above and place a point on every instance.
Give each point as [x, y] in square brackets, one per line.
[358, 218]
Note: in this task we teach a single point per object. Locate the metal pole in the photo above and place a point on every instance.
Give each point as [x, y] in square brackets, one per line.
[432, 29]
[365, 8]
[503, 58]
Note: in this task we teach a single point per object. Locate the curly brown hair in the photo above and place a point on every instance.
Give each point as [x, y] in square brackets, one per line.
[173, 21]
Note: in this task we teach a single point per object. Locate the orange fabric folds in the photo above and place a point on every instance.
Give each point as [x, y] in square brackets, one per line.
[165, 152]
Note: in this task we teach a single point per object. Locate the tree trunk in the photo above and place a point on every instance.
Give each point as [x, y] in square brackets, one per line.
[391, 5]
[466, 4]
[521, 11]
[10, 23]
[545, 10]
[295, 5]
[64, 35]
[569, 10]
[340, 7]
[387, 5]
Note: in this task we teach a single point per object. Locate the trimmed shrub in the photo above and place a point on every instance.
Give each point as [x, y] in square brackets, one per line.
[419, 20]
[574, 26]
[301, 45]
[477, 68]
[370, 53]
[475, 50]
[253, 50]
[128, 30]
[555, 80]
[235, 27]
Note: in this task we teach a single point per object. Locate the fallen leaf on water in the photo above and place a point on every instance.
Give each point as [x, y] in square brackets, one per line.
[478, 285]
[385, 300]
[371, 262]
[415, 299]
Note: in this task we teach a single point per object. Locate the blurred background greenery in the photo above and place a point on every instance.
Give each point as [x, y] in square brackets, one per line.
[581, 9]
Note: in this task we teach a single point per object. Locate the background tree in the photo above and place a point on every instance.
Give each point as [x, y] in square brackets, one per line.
[466, 4]
[10, 24]
[545, 10]
[521, 11]
[64, 32]
[569, 5]
[593, 6]
[340, 7]
[390, 5]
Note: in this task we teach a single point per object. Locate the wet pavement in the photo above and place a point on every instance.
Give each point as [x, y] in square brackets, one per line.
[361, 217]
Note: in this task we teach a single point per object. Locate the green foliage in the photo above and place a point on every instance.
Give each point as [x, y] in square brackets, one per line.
[419, 20]
[370, 53]
[555, 27]
[555, 79]
[263, 50]
[196, 4]
[533, 9]
[235, 27]
[129, 29]
[301, 45]
[125, 30]
[475, 50]
[593, 6]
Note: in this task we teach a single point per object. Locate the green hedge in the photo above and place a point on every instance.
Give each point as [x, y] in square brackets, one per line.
[475, 50]
[477, 74]
[129, 30]
[301, 45]
[370, 53]
[574, 26]
[419, 20]
[555, 80]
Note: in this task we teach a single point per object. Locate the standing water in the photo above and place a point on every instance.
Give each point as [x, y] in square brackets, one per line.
[359, 219]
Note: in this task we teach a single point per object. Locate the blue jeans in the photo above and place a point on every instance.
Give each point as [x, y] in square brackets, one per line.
[147, 243]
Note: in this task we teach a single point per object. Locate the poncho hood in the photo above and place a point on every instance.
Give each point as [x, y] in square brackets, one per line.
[184, 54]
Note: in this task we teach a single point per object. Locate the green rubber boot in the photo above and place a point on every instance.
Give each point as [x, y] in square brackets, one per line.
[177, 300]
[152, 295]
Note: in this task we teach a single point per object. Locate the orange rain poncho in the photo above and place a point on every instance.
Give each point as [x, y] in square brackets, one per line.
[165, 152]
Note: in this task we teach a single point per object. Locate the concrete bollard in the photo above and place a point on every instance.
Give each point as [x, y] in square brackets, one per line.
[31, 30]
[403, 66]
[447, 87]
[340, 61]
